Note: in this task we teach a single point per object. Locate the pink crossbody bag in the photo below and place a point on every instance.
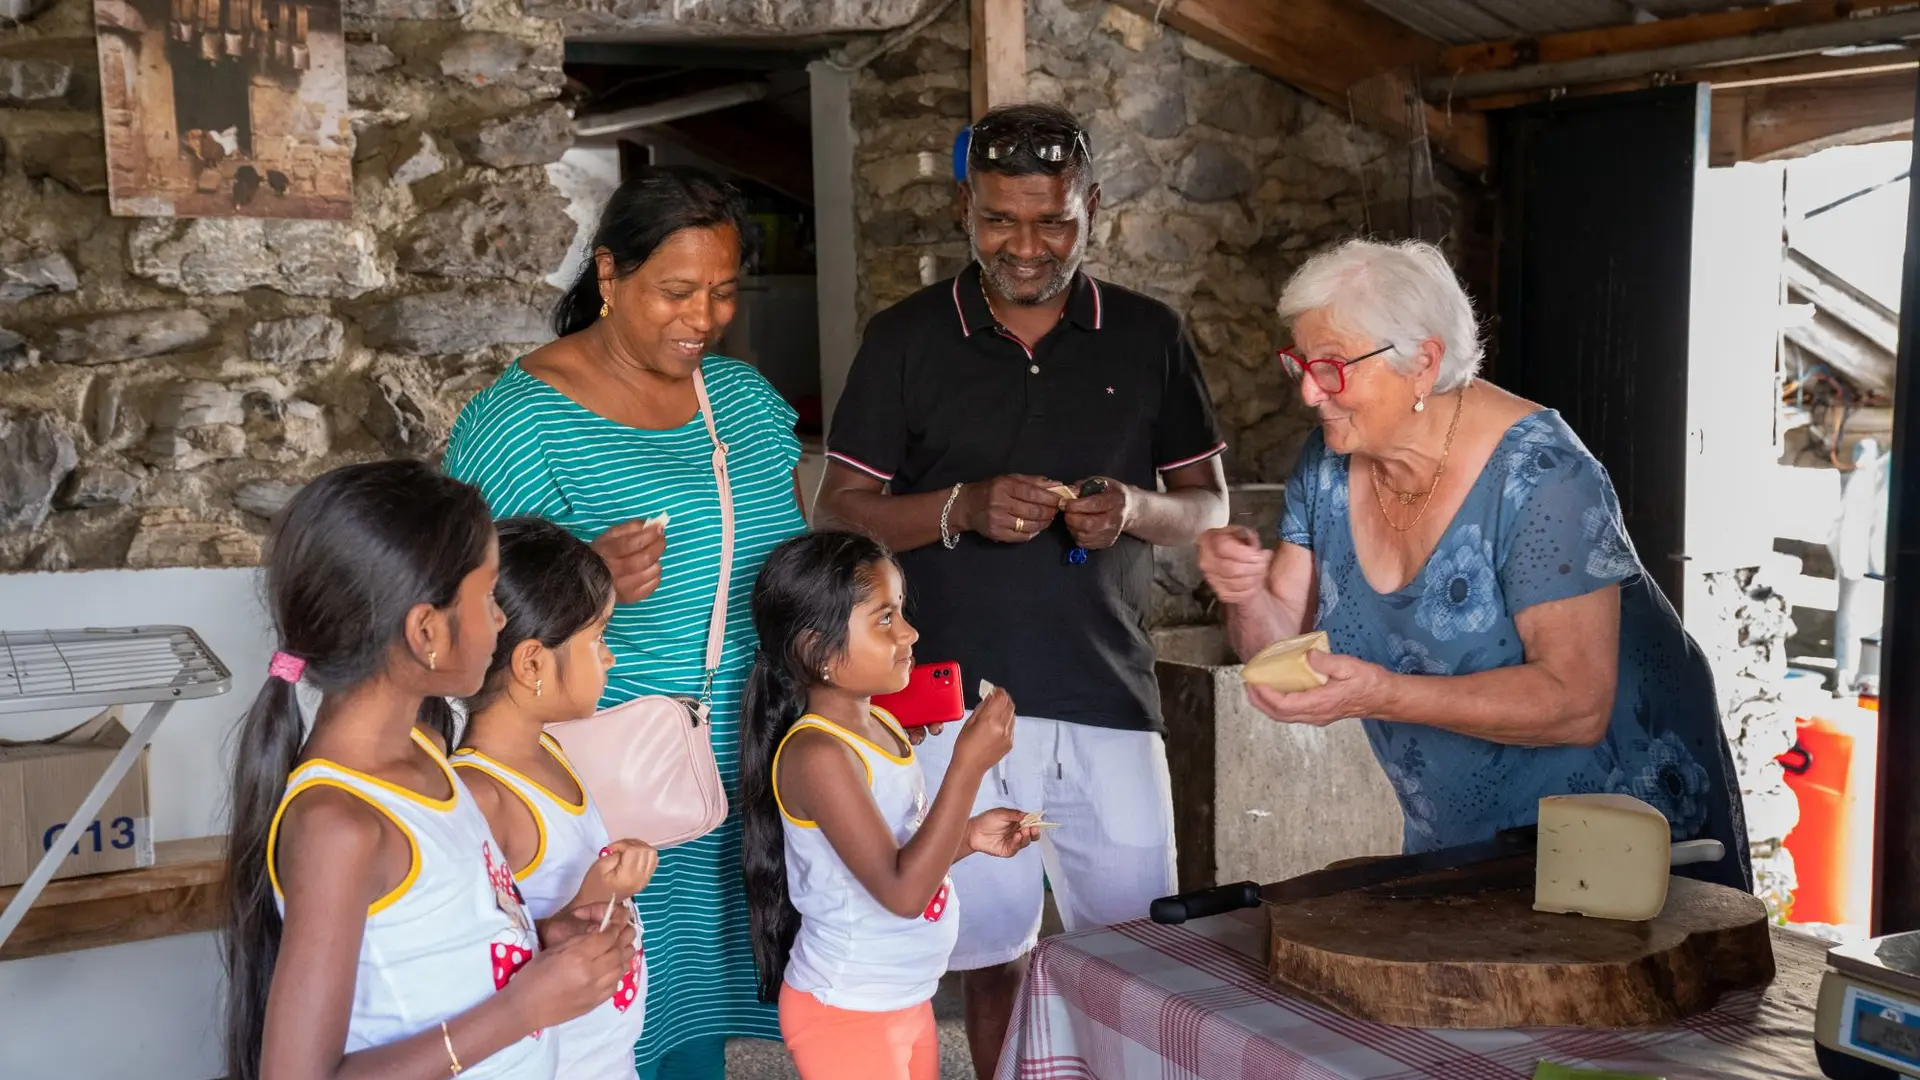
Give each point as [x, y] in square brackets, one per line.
[648, 763]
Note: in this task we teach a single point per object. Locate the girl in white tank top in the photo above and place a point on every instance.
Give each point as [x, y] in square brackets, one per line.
[846, 863]
[548, 665]
[374, 927]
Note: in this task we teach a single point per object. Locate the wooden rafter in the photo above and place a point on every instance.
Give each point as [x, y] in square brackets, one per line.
[1659, 50]
[1760, 123]
[1725, 77]
[1344, 53]
[1641, 37]
[999, 53]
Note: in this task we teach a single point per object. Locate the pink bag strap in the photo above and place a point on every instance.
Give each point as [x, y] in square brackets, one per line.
[717, 626]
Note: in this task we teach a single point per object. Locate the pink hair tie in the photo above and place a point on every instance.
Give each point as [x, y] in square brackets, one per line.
[283, 666]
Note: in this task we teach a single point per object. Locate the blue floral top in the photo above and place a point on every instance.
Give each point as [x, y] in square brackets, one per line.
[1540, 524]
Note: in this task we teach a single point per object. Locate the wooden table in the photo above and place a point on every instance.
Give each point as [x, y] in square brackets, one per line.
[1193, 1002]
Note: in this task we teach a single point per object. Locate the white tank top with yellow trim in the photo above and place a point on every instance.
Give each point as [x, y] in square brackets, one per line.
[851, 953]
[600, 1043]
[450, 935]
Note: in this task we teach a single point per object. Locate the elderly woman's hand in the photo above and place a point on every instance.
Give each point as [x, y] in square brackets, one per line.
[1234, 563]
[632, 551]
[1354, 689]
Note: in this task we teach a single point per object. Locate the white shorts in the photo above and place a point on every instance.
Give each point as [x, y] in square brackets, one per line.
[1111, 857]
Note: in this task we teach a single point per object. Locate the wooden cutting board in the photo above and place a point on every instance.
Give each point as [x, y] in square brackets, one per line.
[1467, 950]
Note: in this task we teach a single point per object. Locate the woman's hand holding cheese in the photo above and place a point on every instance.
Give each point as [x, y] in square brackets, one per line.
[1354, 688]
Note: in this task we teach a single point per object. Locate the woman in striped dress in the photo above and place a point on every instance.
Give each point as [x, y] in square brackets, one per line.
[600, 433]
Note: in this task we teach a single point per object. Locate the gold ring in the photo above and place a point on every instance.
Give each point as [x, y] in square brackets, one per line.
[1020, 525]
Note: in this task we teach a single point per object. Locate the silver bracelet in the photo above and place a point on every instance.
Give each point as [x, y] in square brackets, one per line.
[948, 539]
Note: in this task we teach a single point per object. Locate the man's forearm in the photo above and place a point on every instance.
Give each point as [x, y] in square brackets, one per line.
[1176, 518]
[902, 522]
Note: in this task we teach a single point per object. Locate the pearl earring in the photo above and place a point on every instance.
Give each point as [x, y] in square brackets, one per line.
[539, 687]
[1420, 403]
[432, 660]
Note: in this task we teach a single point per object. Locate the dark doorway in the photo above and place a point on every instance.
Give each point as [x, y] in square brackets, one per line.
[1596, 231]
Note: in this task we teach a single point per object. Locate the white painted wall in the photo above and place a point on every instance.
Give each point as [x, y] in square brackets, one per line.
[148, 1010]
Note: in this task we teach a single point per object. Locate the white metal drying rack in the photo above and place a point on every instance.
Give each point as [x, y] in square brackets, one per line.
[45, 670]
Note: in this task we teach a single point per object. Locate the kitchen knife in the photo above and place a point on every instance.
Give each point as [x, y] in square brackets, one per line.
[1340, 879]
[1173, 910]
[1245, 894]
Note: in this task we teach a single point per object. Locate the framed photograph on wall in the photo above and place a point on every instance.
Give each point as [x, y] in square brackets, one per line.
[225, 108]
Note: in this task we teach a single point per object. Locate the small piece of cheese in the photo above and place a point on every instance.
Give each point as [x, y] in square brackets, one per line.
[1602, 855]
[1283, 665]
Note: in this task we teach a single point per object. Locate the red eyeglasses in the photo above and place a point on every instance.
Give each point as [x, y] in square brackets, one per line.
[1329, 373]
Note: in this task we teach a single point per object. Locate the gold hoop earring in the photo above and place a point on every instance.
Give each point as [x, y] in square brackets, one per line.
[605, 307]
[433, 660]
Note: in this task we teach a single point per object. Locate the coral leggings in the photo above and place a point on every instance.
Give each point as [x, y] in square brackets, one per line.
[840, 1044]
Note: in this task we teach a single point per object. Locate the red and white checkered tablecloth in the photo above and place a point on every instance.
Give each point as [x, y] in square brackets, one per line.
[1140, 1001]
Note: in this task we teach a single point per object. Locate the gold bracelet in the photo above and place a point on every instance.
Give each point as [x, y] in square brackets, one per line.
[447, 1037]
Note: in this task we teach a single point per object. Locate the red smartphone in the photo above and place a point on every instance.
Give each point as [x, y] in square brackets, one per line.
[933, 696]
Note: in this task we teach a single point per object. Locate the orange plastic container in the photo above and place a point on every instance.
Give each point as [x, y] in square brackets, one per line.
[1820, 773]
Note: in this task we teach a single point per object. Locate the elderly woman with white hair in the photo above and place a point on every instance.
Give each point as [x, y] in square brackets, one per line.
[1464, 552]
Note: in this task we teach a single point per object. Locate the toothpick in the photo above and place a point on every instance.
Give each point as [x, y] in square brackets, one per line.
[608, 916]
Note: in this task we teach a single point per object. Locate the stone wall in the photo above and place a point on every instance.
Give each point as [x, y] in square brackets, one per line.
[165, 384]
[1749, 660]
[1217, 182]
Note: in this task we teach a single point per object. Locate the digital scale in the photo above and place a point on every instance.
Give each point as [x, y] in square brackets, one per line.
[1868, 1024]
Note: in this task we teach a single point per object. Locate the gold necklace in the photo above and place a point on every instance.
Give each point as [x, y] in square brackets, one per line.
[991, 310]
[1406, 498]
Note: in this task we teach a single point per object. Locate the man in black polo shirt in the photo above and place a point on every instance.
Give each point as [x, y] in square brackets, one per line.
[967, 403]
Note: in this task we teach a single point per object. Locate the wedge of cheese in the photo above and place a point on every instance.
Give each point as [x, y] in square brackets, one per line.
[1283, 665]
[1602, 855]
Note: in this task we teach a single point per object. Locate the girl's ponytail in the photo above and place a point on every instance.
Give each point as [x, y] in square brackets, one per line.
[267, 745]
[354, 552]
[770, 706]
[802, 602]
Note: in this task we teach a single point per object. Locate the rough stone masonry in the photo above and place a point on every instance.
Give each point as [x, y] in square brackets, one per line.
[165, 385]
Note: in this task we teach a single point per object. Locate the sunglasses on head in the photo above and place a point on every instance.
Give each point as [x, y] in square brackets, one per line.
[1051, 144]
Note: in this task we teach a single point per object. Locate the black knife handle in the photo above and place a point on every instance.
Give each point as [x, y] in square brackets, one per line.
[1519, 838]
[1200, 903]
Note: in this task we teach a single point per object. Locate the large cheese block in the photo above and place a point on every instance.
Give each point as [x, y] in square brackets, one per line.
[1601, 855]
[1283, 665]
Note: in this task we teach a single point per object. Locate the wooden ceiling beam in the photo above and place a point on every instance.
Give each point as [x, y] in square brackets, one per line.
[1724, 77]
[1639, 37]
[1346, 54]
[999, 54]
[1862, 26]
[1764, 123]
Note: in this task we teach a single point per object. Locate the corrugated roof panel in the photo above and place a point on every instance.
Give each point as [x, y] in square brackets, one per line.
[1456, 22]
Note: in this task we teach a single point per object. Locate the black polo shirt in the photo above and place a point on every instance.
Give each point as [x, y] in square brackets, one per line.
[942, 394]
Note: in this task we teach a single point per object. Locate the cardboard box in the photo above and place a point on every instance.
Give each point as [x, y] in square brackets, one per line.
[42, 782]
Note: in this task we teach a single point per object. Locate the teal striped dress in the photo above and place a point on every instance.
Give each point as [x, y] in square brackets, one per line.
[533, 450]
